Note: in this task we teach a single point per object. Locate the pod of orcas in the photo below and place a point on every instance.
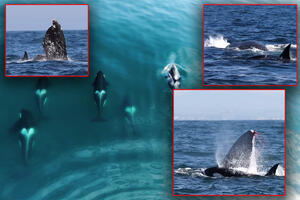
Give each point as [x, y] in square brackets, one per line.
[25, 126]
[284, 56]
[54, 44]
[239, 156]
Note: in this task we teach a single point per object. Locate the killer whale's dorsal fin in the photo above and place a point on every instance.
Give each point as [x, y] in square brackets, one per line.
[273, 169]
[25, 57]
[286, 53]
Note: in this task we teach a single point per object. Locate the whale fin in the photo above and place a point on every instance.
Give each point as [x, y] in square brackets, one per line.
[25, 57]
[273, 169]
[286, 53]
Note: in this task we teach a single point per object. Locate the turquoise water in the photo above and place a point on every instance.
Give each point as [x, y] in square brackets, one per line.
[131, 42]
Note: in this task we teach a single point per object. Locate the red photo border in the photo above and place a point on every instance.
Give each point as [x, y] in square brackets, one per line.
[51, 75]
[284, 144]
[254, 5]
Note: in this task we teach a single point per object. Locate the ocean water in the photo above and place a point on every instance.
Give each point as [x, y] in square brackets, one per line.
[74, 158]
[131, 41]
[31, 41]
[225, 25]
[202, 144]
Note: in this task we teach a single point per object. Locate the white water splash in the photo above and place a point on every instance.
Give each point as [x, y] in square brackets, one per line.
[219, 42]
[280, 171]
[253, 165]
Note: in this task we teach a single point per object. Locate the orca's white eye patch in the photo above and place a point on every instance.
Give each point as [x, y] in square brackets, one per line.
[23, 131]
[31, 131]
[130, 109]
[43, 91]
[40, 92]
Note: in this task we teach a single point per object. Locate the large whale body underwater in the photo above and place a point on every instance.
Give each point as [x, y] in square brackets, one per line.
[239, 157]
[54, 44]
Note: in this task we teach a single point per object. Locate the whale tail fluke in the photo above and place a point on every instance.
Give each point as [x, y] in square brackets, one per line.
[273, 169]
[286, 53]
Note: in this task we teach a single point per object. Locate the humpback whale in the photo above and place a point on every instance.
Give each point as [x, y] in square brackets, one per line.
[41, 93]
[172, 75]
[25, 129]
[284, 56]
[238, 157]
[54, 44]
[99, 93]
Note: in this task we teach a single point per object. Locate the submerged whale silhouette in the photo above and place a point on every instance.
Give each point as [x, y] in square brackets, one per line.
[238, 157]
[54, 44]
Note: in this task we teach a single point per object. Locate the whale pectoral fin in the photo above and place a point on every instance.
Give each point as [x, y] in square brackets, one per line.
[286, 53]
[273, 169]
[104, 103]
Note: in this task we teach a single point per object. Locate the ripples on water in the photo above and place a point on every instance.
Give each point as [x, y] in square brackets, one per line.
[31, 41]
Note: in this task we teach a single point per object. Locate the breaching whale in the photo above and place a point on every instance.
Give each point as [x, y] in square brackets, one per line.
[238, 157]
[54, 44]
[99, 93]
[41, 94]
[25, 129]
[284, 56]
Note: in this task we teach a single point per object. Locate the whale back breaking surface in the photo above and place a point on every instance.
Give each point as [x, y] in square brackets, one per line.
[240, 152]
[248, 45]
[54, 42]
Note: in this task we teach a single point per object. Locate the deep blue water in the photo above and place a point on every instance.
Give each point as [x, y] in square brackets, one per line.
[31, 41]
[200, 144]
[226, 25]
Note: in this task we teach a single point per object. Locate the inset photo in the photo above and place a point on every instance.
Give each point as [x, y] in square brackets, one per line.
[229, 142]
[46, 40]
[250, 44]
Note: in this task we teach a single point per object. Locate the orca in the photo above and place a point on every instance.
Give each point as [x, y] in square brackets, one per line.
[284, 56]
[129, 110]
[172, 75]
[41, 93]
[247, 45]
[25, 129]
[238, 157]
[99, 92]
[227, 172]
[25, 57]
